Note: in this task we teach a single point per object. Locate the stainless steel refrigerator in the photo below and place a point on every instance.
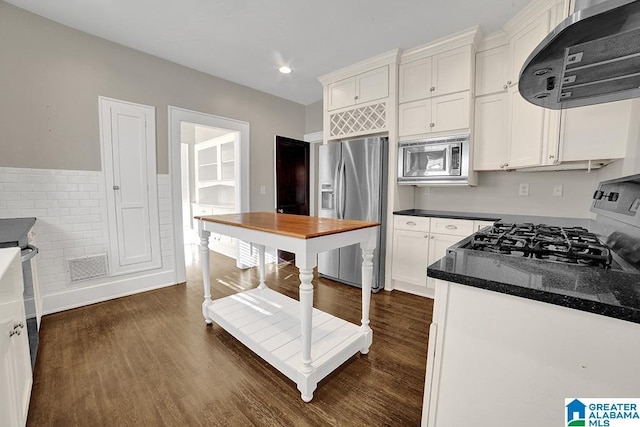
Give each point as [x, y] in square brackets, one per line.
[353, 179]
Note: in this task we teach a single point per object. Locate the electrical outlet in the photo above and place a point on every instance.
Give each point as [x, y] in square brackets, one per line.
[263, 189]
[557, 190]
[523, 190]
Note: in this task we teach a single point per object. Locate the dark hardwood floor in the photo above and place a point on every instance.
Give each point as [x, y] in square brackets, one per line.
[150, 360]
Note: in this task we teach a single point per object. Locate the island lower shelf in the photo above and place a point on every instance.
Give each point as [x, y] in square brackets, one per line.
[268, 323]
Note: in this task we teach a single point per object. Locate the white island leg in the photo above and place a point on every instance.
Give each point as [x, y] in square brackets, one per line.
[262, 285]
[367, 277]
[206, 278]
[306, 381]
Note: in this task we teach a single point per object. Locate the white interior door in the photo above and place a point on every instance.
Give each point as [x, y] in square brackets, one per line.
[129, 162]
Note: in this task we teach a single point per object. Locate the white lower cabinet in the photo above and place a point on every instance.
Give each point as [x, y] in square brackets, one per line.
[15, 363]
[527, 357]
[419, 242]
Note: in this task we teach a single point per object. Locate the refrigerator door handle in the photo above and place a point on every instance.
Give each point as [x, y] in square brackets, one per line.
[342, 185]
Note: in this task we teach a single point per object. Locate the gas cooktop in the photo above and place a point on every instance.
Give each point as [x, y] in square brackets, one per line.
[569, 245]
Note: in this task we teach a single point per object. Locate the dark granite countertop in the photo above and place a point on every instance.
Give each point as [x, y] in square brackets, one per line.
[12, 230]
[607, 292]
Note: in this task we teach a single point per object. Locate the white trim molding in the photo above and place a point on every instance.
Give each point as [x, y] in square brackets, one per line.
[177, 115]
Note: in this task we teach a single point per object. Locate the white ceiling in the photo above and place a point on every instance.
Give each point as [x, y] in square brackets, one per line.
[245, 41]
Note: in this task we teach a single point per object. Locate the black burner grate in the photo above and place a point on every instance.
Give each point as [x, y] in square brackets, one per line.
[571, 245]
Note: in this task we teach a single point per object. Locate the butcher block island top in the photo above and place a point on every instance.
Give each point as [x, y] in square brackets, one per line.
[302, 342]
[298, 226]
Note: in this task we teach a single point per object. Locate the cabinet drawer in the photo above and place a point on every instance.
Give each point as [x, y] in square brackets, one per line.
[455, 227]
[201, 210]
[414, 223]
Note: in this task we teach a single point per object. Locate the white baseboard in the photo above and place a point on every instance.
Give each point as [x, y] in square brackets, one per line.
[74, 298]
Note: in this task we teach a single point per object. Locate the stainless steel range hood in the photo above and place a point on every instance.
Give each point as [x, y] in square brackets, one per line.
[592, 57]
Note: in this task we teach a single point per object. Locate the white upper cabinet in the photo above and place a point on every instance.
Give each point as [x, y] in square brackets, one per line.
[450, 112]
[492, 70]
[596, 132]
[451, 71]
[358, 89]
[490, 132]
[415, 80]
[435, 86]
[436, 75]
[524, 41]
[526, 127]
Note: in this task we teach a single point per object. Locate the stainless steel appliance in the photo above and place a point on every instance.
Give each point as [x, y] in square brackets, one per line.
[14, 232]
[568, 245]
[352, 178]
[434, 161]
[612, 241]
[590, 58]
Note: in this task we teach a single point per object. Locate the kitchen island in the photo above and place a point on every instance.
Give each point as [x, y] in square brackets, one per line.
[303, 343]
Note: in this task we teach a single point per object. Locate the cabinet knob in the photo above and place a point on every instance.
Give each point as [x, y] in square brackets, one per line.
[509, 82]
[431, 125]
[552, 157]
[432, 88]
[426, 236]
[433, 237]
[451, 227]
[411, 223]
[355, 97]
[505, 87]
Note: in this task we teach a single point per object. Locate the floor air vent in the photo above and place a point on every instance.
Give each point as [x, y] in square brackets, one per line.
[88, 267]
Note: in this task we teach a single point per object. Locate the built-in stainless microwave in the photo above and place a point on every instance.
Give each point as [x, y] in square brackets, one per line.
[441, 160]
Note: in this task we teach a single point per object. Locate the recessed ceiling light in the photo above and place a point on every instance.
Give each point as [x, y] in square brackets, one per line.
[284, 69]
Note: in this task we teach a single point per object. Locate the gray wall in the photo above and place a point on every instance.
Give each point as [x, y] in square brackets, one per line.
[51, 77]
[313, 117]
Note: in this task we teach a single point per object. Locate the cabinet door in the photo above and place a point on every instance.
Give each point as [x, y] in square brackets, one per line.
[490, 143]
[341, 94]
[492, 70]
[410, 255]
[414, 117]
[596, 132]
[415, 80]
[450, 112]
[15, 367]
[525, 41]
[438, 245]
[526, 131]
[372, 85]
[451, 71]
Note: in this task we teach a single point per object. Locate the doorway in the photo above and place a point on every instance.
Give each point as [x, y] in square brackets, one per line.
[222, 173]
[209, 179]
[292, 172]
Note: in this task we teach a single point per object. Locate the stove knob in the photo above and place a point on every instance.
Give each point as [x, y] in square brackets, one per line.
[613, 197]
[598, 194]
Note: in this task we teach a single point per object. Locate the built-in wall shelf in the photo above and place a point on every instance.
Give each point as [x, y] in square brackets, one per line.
[215, 172]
